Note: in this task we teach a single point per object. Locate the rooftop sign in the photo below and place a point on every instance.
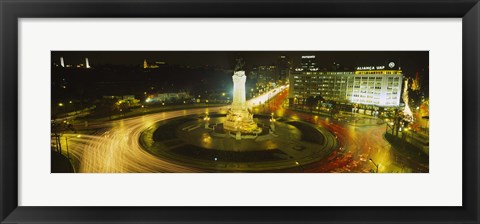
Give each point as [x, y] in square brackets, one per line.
[380, 67]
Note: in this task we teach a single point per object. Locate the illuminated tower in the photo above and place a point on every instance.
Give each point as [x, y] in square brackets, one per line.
[407, 112]
[283, 66]
[145, 65]
[239, 119]
[61, 62]
[87, 65]
[416, 83]
[309, 63]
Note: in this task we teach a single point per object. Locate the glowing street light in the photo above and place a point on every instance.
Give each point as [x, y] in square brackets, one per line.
[64, 109]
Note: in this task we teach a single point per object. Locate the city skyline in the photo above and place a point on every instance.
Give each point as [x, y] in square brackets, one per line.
[410, 61]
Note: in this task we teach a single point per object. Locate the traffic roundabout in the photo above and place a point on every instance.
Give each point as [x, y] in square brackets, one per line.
[201, 142]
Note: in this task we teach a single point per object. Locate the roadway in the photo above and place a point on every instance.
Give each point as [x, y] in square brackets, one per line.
[114, 146]
[357, 143]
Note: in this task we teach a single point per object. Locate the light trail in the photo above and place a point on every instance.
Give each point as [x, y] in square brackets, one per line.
[265, 97]
[117, 150]
[115, 147]
[356, 145]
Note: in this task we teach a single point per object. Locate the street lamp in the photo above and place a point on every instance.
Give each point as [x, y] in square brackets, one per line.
[73, 104]
[64, 109]
[206, 119]
[376, 165]
[272, 122]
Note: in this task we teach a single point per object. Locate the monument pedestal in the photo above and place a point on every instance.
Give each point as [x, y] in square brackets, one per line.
[241, 121]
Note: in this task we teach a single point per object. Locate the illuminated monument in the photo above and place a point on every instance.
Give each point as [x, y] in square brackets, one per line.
[407, 112]
[145, 64]
[238, 142]
[87, 65]
[239, 119]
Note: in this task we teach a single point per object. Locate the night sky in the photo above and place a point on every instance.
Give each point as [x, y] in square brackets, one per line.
[410, 61]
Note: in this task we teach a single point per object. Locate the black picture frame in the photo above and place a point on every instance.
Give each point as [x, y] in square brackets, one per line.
[11, 11]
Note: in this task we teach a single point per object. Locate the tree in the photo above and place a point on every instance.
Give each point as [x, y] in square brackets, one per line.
[311, 101]
[106, 107]
[57, 128]
[334, 108]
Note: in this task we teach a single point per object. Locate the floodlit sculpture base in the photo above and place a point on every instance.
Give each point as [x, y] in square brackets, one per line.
[241, 121]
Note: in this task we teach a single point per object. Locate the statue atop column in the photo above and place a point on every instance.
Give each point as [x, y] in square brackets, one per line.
[239, 120]
[239, 65]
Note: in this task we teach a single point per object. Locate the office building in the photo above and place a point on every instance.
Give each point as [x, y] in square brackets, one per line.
[368, 85]
[283, 67]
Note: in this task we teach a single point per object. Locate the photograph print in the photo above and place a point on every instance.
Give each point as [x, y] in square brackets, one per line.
[240, 112]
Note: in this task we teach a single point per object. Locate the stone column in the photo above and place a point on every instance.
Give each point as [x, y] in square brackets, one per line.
[239, 102]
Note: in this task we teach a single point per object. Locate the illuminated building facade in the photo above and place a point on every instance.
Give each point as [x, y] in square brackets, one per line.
[283, 67]
[165, 97]
[309, 63]
[370, 85]
[264, 74]
[275, 73]
[155, 65]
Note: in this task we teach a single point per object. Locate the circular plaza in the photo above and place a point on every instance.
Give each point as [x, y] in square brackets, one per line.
[202, 142]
